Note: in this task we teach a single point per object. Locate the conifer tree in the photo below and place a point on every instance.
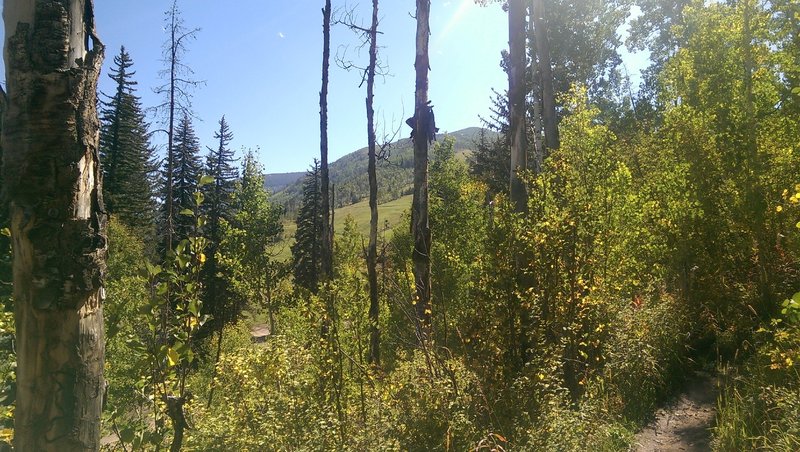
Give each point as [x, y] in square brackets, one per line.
[177, 101]
[219, 202]
[220, 166]
[185, 171]
[306, 251]
[125, 152]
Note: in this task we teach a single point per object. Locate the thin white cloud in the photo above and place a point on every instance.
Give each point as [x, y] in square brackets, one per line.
[455, 19]
[281, 35]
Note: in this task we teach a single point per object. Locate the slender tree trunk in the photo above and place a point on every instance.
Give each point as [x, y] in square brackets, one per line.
[538, 147]
[756, 202]
[517, 55]
[549, 117]
[58, 223]
[517, 42]
[171, 125]
[420, 227]
[327, 236]
[372, 251]
[214, 370]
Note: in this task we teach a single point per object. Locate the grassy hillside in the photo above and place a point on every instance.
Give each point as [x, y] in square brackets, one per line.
[349, 173]
[390, 216]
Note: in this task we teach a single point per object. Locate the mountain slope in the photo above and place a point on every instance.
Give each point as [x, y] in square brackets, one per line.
[349, 173]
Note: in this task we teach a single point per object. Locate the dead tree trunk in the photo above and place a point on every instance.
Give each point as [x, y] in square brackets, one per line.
[517, 56]
[372, 251]
[327, 236]
[173, 62]
[58, 224]
[177, 99]
[420, 227]
[549, 117]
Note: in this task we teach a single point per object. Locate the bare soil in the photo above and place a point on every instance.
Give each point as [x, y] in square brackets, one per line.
[685, 424]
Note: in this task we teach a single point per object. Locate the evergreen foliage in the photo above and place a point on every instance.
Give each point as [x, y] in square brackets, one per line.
[185, 174]
[220, 164]
[126, 153]
[306, 249]
[219, 207]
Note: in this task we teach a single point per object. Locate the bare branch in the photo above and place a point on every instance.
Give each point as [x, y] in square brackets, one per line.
[388, 139]
[347, 17]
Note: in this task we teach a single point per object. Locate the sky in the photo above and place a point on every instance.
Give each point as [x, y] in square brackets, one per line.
[260, 61]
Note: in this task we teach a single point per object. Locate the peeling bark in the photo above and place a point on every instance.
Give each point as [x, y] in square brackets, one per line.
[58, 223]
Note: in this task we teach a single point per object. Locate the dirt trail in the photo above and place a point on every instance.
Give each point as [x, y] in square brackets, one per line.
[685, 424]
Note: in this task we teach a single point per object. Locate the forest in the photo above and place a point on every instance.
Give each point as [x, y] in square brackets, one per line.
[553, 280]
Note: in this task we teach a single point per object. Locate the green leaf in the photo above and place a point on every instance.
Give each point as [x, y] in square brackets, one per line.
[205, 180]
[198, 198]
[126, 435]
[188, 212]
[161, 289]
[194, 308]
[152, 270]
[172, 357]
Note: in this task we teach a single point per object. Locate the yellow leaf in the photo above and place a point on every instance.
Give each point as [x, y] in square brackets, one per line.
[172, 357]
[202, 258]
[500, 437]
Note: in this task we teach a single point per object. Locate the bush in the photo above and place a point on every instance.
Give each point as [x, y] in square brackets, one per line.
[760, 407]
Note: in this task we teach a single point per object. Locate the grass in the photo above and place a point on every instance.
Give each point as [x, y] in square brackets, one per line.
[390, 216]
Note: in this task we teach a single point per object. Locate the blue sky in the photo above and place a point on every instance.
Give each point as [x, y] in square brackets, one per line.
[261, 62]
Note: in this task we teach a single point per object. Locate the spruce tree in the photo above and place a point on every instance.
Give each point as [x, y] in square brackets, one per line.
[219, 205]
[125, 152]
[306, 251]
[185, 171]
[220, 166]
